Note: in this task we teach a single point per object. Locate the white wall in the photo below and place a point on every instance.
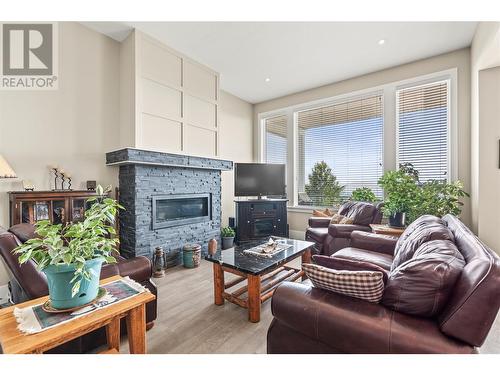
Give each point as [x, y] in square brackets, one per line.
[236, 143]
[458, 59]
[73, 126]
[485, 133]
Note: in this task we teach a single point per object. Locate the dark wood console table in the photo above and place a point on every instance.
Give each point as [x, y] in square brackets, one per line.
[260, 218]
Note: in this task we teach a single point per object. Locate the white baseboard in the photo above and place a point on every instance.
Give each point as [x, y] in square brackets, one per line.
[297, 234]
[4, 294]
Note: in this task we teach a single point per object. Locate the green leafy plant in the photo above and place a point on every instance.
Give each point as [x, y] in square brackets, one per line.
[363, 194]
[323, 187]
[438, 198]
[405, 193]
[77, 242]
[227, 232]
[401, 188]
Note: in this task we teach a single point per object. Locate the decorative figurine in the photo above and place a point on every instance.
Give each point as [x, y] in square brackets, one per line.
[28, 185]
[91, 185]
[212, 247]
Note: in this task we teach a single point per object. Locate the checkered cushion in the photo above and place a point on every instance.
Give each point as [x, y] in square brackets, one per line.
[366, 285]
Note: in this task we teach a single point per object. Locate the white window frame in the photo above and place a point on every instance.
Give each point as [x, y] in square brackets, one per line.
[452, 167]
[390, 131]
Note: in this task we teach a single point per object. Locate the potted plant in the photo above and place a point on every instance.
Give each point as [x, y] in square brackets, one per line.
[71, 256]
[227, 234]
[401, 190]
[363, 194]
[438, 198]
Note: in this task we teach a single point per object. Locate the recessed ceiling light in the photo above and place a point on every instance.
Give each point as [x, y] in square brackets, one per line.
[381, 41]
[268, 79]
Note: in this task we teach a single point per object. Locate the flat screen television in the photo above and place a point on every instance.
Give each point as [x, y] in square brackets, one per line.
[257, 179]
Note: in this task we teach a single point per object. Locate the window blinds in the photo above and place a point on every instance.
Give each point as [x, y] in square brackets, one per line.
[276, 139]
[423, 116]
[348, 137]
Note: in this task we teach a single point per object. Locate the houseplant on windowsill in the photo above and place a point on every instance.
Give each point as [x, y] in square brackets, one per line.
[401, 190]
[227, 234]
[71, 256]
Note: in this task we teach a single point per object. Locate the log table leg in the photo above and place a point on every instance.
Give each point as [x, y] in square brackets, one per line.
[306, 258]
[218, 284]
[113, 334]
[254, 298]
[136, 330]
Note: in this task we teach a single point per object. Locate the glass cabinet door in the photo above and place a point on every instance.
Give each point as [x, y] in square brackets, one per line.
[33, 211]
[78, 209]
[59, 215]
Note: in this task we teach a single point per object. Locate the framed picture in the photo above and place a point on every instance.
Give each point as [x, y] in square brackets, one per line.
[41, 211]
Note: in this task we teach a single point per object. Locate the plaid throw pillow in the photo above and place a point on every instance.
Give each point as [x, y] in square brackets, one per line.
[366, 285]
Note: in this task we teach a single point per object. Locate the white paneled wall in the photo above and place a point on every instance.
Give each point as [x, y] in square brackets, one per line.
[175, 100]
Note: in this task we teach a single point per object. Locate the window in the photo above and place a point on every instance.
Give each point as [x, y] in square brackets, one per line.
[275, 131]
[423, 126]
[342, 142]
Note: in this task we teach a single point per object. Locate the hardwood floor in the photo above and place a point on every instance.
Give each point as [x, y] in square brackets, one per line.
[189, 322]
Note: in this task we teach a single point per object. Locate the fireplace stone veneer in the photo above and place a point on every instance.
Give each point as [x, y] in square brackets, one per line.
[146, 177]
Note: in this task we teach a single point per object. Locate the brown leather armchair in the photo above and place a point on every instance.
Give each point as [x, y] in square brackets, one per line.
[329, 238]
[312, 320]
[33, 284]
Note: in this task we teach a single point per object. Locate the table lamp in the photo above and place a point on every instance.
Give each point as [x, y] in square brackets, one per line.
[5, 169]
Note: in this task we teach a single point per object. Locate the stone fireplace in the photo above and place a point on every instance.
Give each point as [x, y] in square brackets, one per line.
[170, 200]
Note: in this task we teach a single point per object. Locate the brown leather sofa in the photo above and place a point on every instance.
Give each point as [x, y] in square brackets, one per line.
[33, 284]
[312, 320]
[329, 238]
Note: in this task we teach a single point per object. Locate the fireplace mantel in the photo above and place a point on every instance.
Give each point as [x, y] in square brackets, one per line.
[137, 156]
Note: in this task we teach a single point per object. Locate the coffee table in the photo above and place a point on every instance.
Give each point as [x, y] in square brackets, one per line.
[260, 275]
[387, 230]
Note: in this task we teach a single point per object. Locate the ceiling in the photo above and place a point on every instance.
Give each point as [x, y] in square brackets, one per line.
[296, 56]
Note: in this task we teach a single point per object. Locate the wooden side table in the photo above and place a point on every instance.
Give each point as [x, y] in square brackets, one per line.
[133, 309]
[385, 229]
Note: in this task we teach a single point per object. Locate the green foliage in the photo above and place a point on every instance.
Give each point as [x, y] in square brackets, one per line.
[323, 187]
[409, 169]
[363, 194]
[401, 188]
[77, 242]
[438, 198]
[404, 193]
[227, 232]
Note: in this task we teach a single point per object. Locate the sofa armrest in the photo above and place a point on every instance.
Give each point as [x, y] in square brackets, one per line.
[32, 281]
[345, 230]
[380, 243]
[137, 268]
[319, 222]
[352, 325]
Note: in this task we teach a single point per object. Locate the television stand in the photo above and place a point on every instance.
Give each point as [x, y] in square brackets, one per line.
[260, 218]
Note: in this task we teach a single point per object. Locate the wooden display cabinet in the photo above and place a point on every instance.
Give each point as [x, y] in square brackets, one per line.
[60, 207]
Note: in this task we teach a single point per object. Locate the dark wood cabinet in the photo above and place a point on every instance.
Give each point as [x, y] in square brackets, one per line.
[257, 219]
[60, 207]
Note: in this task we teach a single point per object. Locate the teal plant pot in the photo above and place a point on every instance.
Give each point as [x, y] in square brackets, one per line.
[59, 282]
